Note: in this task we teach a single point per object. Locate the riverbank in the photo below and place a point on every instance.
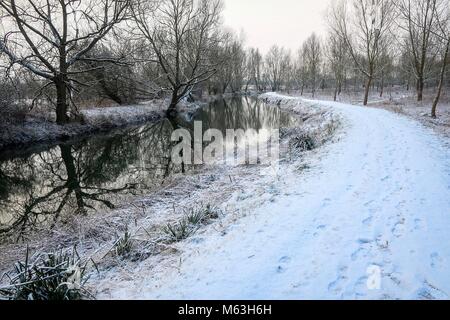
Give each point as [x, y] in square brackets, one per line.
[39, 130]
[367, 219]
[230, 191]
[234, 193]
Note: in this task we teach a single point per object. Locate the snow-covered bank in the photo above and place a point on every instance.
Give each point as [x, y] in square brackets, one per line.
[36, 130]
[377, 198]
[237, 191]
[147, 216]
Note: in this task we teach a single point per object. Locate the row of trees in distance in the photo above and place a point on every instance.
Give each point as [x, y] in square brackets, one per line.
[67, 53]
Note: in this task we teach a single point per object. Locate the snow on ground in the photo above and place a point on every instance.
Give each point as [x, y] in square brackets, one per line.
[118, 116]
[399, 100]
[378, 197]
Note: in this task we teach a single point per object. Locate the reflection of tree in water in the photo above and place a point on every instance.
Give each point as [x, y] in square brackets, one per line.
[241, 114]
[77, 179]
[81, 178]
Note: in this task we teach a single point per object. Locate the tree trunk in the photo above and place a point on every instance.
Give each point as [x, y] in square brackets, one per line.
[172, 110]
[367, 90]
[441, 81]
[314, 88]
[61, 102]
[420, 86]
[335, 93]
[382, 85]
[61, 83]
[110, 92]
[73, 184]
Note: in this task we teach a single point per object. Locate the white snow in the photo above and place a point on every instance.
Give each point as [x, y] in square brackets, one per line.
[380, 196]
[119, 115]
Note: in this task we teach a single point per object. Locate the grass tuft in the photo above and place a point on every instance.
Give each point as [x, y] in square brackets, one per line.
[50, 276]
[179, 231]
[124, 245]
[190, 223]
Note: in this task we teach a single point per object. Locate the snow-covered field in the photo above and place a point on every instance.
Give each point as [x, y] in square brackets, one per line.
[378, 199]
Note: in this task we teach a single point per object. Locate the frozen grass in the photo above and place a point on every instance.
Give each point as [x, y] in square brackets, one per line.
[303, 142]
[124, 245]
[48, 276]
[179, 231]
[190, 223]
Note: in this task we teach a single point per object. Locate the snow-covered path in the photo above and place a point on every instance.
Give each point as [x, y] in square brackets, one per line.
[379, 199]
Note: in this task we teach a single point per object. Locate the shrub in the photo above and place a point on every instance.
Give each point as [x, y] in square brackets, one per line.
[10, 110]
[51, 276]
[303, 142]
[331, 127]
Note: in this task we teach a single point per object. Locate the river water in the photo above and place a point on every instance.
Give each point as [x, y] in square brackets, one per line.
[96, 173]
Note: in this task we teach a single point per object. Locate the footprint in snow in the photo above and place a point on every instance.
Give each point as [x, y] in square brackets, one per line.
[326, 202]
[280, 269]
[360, 252]
[337, 286]
[382, 242]
[367, 221]
[368, 203]
[360, 287]
[285, 259]
[436, 260]
[418, 224]
[430, 292]
[398, 229]
[363, 241]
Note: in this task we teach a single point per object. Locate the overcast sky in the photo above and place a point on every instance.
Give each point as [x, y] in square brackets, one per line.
[283, 22]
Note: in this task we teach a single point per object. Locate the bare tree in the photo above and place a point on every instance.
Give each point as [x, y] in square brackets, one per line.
[6, 95]
[126, 82]
[239, 67]
[419, 20]
[289, 73]
[277, 64]
[365, 28]
[230, 58]
[312, 57]
[443, 33]
[181, 33]
[386, 67]
[300, 72]
[336, 52]
[254, 68]
[337, 55]
[49, 38]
